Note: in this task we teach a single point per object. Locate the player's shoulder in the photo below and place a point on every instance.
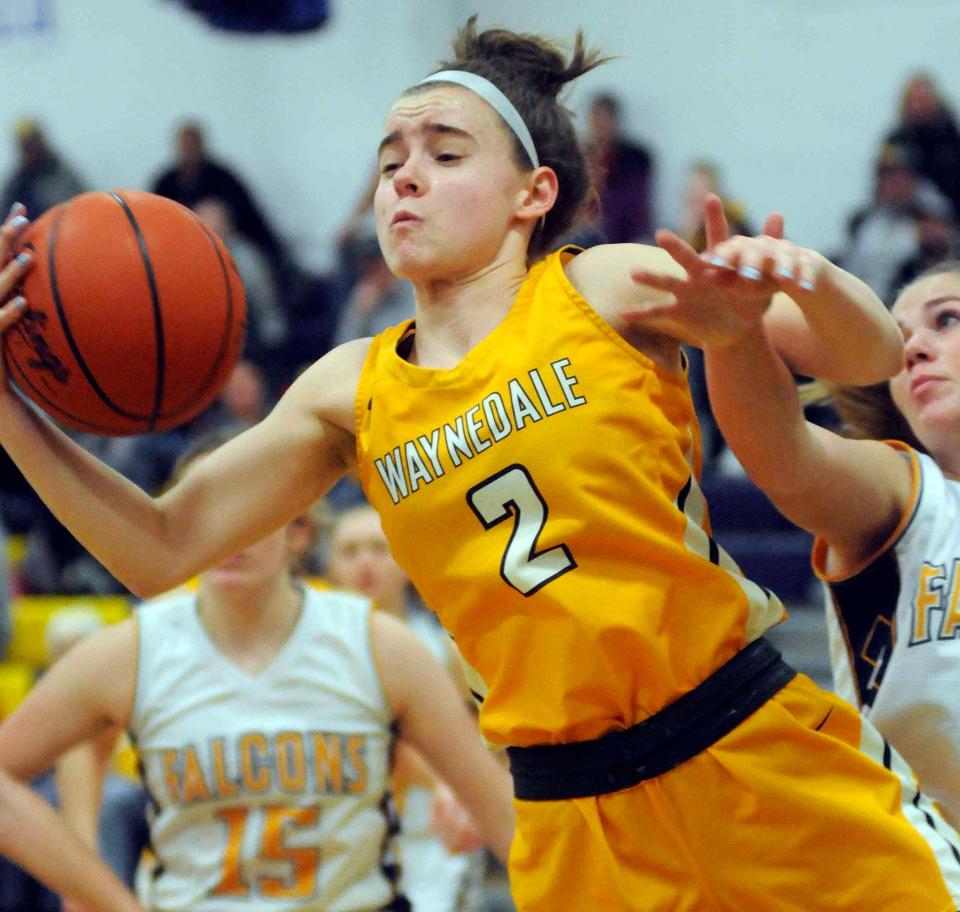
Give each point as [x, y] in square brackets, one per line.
[328, 388]
[602, 274]
[329, 599]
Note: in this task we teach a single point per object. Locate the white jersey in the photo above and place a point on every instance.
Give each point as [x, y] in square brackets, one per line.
[894, 627]
[269, 791]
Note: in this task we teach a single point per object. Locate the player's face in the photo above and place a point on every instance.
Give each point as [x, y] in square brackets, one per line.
[360, 559]
[927, 390]
[449, 185]
[255, 567]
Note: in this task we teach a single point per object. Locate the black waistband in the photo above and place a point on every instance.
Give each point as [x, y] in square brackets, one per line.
[689, 725]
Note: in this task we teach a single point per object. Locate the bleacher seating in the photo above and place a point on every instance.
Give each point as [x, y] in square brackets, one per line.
[32, 613]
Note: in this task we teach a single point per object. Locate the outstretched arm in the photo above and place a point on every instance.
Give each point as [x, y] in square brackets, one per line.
[811, 307]
[251, 486]
[852, 493]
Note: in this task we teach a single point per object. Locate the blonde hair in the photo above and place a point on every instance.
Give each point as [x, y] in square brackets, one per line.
[865, 412]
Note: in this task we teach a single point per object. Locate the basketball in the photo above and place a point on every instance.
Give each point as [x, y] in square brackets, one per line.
[135, 314]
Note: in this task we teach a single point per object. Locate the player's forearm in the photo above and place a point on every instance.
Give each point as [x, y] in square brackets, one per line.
[79, 775]
[32, 835]
[850, 336]
[754, 400]
[111, 517]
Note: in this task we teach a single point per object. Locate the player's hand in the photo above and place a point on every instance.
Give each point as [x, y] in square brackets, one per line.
[14, 267]
[728, 288]
[452, 823]
[12, 303]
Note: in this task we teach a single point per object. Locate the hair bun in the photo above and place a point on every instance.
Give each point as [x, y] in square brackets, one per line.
[528, 57]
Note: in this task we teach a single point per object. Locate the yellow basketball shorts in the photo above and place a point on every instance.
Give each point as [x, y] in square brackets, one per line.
[802, 807]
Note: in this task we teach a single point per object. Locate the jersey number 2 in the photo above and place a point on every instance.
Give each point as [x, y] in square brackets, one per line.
[511, 492]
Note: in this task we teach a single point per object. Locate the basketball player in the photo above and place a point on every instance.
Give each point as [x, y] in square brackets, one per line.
[434, 879]
[531, 447]
[264, 712]
[885, 509]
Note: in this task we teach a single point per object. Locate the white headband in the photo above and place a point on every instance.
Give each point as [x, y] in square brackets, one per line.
[496, 99]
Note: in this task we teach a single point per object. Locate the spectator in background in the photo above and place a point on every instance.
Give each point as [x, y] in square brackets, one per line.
[928, 131]
[622, 174]
[703, 178]
[195, 176]
[937, 242]
[243, 398]
[41, 178]
[883, 235]
[267, 328]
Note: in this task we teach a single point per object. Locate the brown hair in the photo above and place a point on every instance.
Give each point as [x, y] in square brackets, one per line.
[531, 72]
[869, 412]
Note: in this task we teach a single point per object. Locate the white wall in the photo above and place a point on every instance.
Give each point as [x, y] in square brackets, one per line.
[788, 96]
[299, 117]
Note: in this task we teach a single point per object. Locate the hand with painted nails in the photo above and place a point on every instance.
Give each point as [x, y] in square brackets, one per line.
[14, 268]
[712, 304]
[773, 262]
[727, 289]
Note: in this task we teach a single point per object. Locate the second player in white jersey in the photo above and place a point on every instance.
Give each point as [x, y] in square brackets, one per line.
[886, 515]
[268, 786]
[894, 629]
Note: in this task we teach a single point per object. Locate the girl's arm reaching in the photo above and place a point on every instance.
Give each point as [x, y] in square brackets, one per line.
[811, 308]
[251, 486]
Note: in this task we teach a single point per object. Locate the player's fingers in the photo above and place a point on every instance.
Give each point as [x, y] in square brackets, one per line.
[658, 280]
[715, 221]
[679, 250]
[10, 231]
[773, 225]
[757, 258]
[14, 271]
[803, 275]
[16, 210]
[11, 312]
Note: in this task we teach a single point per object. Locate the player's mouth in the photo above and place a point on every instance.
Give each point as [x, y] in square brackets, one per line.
[404, 219]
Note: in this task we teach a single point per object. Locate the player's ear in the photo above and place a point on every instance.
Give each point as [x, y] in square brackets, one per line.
[538, 195]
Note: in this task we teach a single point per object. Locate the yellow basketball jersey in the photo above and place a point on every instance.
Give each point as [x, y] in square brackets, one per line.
[542, 497]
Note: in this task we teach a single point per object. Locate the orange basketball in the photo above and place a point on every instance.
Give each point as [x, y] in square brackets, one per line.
[135, 314]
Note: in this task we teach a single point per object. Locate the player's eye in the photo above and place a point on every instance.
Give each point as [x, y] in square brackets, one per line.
[946, 318]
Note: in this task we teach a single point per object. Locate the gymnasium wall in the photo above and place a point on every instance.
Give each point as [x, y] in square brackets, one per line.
[789, 96]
